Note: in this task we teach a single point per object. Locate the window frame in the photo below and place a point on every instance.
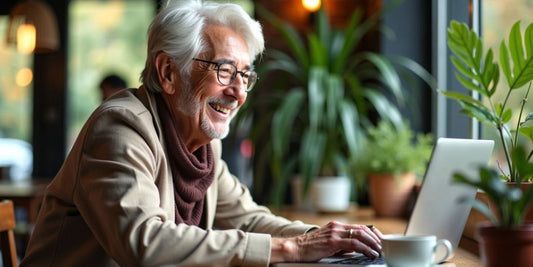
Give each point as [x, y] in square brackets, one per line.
[447, 119]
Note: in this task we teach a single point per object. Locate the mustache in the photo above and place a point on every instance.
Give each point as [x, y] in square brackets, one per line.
[232, 104]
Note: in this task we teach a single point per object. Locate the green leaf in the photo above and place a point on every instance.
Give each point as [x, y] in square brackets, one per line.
[350, 124]
[384, 108]
[354, 32]
[469, 84]
[505, 62]
[507, 115]
[283, 120]
[317, 51]
[462, 97]
[294, 42]
[311, 152]
[515, 46]
[389, 76]
[481, 113]
[316, 96]
[280, 187]
[416, 68]
[473, 107]
[521, 163]
[465, 70]
[283, 62]
[480, 74]
[527, 131]
[522, 66]
[528, 36]
[335, 91]
[490, 75]
[458, 41]
[324, 28]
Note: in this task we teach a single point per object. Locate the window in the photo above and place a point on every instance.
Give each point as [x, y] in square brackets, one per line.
[447, 120]
[497, 19]
[494, 19]
[16, 100]
[104, 37]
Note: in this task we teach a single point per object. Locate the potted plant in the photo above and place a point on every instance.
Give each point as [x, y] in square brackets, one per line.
[322, 96]
[506, 240]
[505, 187]
[393, 159]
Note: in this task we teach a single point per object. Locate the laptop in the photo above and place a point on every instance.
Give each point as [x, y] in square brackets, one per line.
[438, 209]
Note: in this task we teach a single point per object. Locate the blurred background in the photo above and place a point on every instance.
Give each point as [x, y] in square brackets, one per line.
[47, 94]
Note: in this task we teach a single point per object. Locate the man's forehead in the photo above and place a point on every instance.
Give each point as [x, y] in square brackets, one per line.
[225, 43]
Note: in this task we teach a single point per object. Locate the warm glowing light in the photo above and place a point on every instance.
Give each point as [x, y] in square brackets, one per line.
[311, 5]
[26, 35]
[24, 77]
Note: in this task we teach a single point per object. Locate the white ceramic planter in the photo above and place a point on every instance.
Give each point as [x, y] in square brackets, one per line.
[331, 194]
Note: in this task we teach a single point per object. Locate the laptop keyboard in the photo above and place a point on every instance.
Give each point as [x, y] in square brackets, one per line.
[361, 259]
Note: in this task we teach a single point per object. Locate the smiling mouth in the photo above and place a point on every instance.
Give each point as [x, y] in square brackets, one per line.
[220, 109]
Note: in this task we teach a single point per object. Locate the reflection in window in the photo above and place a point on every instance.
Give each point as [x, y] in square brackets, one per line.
[104, 37]
[498, 18]
[16, 76]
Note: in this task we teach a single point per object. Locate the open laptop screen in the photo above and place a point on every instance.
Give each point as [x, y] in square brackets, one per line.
[438, 209]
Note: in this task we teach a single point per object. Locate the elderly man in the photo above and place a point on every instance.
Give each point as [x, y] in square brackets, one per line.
[145, 184]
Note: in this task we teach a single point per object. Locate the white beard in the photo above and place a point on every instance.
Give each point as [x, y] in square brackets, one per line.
[207, 127]
[187, 104]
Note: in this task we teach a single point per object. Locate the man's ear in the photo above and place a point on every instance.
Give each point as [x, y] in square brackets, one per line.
[166, 72]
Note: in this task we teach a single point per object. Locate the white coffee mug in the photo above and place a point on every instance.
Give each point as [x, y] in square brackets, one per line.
[413, 250]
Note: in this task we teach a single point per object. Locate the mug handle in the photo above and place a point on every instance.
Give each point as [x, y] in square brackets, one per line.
[449, 250]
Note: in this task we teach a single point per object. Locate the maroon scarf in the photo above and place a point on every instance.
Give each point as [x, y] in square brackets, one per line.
[192, 173]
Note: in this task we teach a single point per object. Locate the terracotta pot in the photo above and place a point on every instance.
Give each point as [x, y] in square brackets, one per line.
[529, 214]
[505, 246]
[390, 195]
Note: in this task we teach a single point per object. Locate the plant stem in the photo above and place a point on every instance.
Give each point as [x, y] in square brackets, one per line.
[500, 126]
[507, 156]
[524, 100]
[505, 101]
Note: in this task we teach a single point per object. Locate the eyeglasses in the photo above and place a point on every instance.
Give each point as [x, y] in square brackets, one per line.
[226, 73]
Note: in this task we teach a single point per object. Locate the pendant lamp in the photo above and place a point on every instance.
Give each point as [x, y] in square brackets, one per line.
[312, 5]
[32, 27]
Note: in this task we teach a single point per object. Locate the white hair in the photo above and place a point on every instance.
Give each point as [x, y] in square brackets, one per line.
[177, 30]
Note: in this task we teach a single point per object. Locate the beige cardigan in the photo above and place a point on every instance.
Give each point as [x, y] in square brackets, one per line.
[112, 204]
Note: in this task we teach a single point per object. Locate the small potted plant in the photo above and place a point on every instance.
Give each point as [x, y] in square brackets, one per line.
[508, 234]
[506, 240]
[391, 159]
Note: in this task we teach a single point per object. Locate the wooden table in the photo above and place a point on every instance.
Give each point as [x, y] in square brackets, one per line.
[365, 215]
[26, 194]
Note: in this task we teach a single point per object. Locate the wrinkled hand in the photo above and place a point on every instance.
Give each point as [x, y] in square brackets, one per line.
[328, 240]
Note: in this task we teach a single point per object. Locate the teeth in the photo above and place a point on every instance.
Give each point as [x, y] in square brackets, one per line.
[221, 109]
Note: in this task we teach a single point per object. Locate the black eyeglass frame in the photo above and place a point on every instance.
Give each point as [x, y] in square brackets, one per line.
[249, 86]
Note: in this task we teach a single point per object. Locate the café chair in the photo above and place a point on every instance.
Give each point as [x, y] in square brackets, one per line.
[7, 237]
